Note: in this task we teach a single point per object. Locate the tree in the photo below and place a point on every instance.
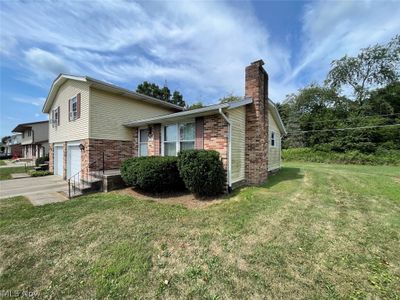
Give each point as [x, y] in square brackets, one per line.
[194, 106]
[230, 98]
[5, 139]
[153, 90]
[374, 66]
[177, 99]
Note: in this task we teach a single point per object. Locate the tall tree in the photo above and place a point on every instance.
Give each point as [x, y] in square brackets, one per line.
[374, 66]
[230, 98]
[153, 90]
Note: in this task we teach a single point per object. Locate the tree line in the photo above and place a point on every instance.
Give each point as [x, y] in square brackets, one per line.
[356, 108]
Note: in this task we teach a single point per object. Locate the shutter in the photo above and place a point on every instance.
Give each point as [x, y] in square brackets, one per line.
[78, 106]
[69, 110]
[58, 116]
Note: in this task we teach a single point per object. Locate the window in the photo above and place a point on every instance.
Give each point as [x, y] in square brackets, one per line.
[170, 140]
[29, 132]
[143, 141]
[273, 142]
[186, 135]
[73, 108]
[55, 117]
[175, 141]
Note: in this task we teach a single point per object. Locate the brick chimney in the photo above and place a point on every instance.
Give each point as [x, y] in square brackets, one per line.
[256, 153]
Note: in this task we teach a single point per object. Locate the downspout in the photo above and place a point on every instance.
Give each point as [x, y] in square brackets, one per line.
[229, 179]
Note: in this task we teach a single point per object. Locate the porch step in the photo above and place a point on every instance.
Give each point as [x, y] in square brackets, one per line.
[85, 186]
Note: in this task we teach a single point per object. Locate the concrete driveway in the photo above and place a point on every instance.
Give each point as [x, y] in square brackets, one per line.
[39, 190]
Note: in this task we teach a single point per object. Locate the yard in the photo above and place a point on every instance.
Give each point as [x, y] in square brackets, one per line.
[5, 173]
[2, 163]
[314, 231]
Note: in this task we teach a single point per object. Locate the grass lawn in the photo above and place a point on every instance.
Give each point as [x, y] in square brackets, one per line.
[313, 231]
[5, 173]
[2, 163]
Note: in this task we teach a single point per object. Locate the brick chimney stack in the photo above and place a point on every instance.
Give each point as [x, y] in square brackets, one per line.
[256, 151]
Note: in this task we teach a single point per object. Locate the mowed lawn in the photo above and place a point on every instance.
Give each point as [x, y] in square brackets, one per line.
[313, 231]
[5, 173]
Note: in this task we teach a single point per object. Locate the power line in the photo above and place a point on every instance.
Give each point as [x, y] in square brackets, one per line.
[355, 118]
[342, 129]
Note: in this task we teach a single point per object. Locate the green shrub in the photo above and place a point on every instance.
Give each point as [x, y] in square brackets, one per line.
[129, 170]
[41, 160]
[152, 174]
[40, 173]
[380, 157]
[202, 172]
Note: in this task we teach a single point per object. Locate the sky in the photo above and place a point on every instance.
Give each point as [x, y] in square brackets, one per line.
[200, 48]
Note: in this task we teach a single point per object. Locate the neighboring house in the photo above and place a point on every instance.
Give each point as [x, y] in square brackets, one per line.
[13, 145]
[90, 118]
[34, 139]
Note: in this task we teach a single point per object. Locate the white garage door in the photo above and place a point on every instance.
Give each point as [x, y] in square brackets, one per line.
[74, 159]
[58, 160]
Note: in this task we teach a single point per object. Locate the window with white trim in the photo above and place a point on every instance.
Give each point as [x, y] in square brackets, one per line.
[177, 137]
[143, 141]
[273, 139]
[73, 108]
[55, 117]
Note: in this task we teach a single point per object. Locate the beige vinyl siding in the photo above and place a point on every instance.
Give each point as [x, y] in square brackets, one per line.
[74, 130]
[237, 118]
[108, 113]
[26, 140]
[274, 153]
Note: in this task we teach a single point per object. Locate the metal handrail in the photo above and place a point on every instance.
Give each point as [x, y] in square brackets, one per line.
[78, 180]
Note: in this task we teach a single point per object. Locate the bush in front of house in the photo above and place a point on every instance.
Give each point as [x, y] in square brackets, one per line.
[129, 170]
[40, 173]
[152, 174]
[41, 160]
[202, 172]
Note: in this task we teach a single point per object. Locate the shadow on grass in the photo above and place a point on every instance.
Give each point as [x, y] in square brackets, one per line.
[284, 174]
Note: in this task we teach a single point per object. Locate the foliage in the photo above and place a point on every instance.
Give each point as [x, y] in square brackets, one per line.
[39, 173]
[322, 116]
[382, 157]
[41, 160]
[5, 139]
[375, 65]
[152, 173]
[164, 93]
[195, 106]
[129, 170]
[230, 98]
[202, 172]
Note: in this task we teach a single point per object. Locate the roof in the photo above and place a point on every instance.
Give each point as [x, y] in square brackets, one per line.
[62, 78]
[206, 111]
[198, 112]
[22, 127]
[275, 114]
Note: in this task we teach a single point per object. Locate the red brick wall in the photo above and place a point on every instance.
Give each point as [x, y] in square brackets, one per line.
[51, 157]
[216, 136]
[256, 151]
[154, 147]
[16, 150]
[199, 142]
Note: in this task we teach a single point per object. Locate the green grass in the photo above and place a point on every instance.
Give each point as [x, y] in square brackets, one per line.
[2, 163]
[314, 231]
[5, 173]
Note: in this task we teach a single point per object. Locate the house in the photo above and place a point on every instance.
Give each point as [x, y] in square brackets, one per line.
[12, 145]
[34, 139]
[95, 125]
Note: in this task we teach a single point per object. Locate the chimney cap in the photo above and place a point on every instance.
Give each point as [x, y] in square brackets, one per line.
[259, 62]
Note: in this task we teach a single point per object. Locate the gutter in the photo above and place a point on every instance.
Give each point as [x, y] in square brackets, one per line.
[229, 179]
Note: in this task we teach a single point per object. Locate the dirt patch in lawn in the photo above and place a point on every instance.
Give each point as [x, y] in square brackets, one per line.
[184, 198]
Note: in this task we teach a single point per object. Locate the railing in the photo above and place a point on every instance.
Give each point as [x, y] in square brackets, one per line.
[86, 176]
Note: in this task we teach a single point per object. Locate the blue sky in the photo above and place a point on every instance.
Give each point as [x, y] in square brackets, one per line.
[200, 48]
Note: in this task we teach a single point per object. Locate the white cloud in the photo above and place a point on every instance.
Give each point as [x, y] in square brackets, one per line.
[201, 48]
[44, 61]
[29, 100]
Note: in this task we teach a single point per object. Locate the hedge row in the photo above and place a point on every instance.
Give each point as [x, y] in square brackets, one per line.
[383, 157]
[200, 171]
